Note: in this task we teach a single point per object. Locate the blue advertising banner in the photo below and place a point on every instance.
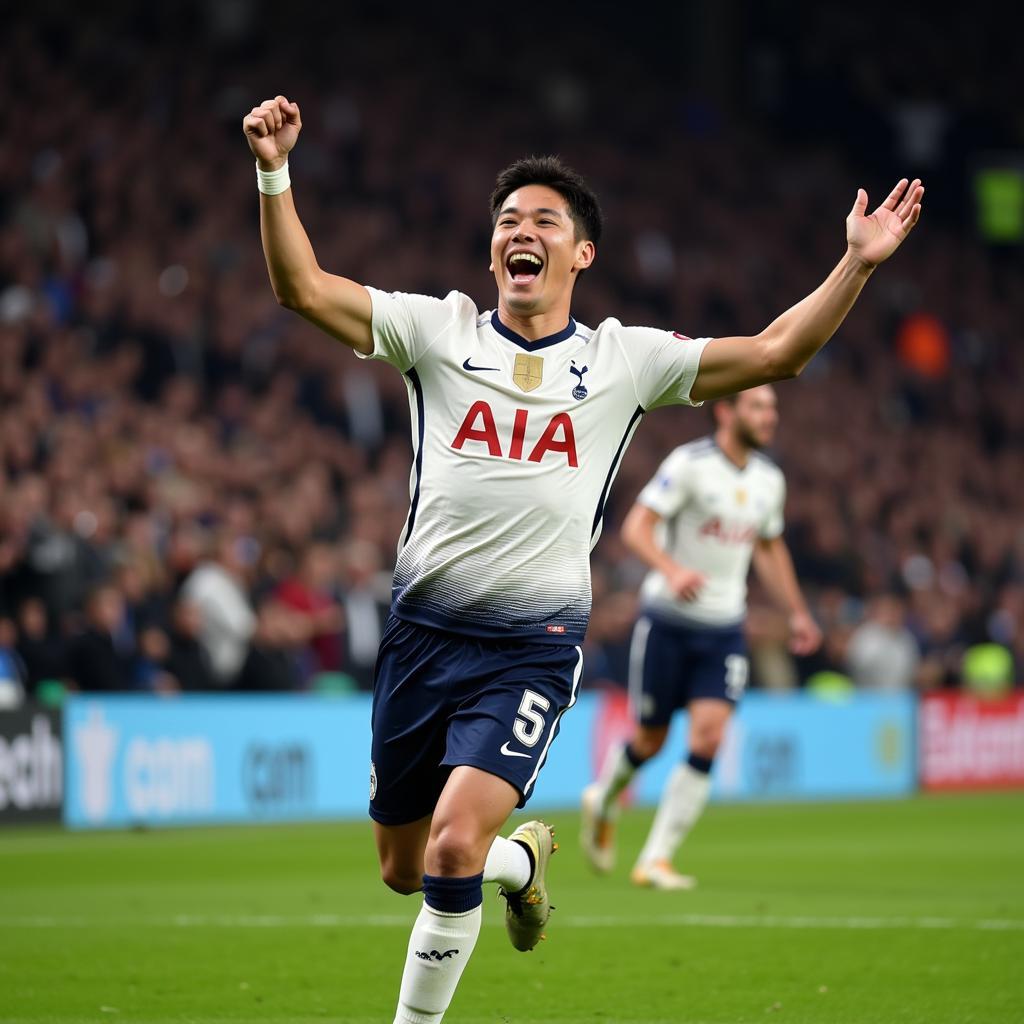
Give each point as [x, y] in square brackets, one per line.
[807, 747]
[138, 760]
[790, 746]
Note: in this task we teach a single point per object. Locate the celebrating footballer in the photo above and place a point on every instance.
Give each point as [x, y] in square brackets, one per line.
[520, 418]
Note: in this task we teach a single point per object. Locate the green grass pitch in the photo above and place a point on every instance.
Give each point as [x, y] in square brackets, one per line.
[860, 913]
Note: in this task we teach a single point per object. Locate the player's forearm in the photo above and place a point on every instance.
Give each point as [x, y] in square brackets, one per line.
[787, 344]
[639, 537]
[774, 568]
[653, 556]
[291, 262]
[793, 338]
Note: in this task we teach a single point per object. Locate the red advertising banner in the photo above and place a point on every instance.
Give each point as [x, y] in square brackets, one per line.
[971, 743]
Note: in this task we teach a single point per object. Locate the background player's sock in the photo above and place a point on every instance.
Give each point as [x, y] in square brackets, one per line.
[442, 940]
[620, 765]
[508, 863]
[682, 801]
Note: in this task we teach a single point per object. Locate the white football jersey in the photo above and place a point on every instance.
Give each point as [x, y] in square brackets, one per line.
[516, 445]
[712, 513]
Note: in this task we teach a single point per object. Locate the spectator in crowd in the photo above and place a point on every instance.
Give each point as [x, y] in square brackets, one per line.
[43, 651]
[12, 670]
[310, 593]
[218, 588]
[95, 663]
[882, 653]
[366, 596]
[270, 663]
[186, 661]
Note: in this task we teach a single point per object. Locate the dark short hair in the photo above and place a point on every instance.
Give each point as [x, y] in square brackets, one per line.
[550, 171]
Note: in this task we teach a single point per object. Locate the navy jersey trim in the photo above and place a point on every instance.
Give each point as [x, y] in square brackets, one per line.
[537, 633]
[420, 434]
[613, 468]
[532, 346]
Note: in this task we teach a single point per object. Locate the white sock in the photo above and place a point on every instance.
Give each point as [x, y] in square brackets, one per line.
[682, 801]
[439, 948]
[616, 774]
[508, 864]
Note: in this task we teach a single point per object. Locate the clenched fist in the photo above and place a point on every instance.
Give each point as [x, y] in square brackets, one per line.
[272, 129]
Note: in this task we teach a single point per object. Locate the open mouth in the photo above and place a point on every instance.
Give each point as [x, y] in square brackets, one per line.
[524, 267]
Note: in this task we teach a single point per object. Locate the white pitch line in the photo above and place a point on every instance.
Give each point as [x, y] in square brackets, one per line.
[569, 921]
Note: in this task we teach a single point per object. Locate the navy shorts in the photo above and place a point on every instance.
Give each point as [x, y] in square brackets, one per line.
[672, 663]
[442, 700]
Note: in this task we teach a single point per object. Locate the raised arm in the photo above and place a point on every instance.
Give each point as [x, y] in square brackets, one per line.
[335, 304]
[786, 345]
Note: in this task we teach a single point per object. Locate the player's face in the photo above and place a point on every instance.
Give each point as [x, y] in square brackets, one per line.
[756, 415]
[535, 254]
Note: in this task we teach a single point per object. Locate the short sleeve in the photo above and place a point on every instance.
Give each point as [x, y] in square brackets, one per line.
[664, 365]
[774, 521]
[405, 326]
[669, 488]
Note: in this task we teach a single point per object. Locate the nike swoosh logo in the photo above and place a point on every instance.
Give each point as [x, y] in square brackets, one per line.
[512, 753]
[468, 366]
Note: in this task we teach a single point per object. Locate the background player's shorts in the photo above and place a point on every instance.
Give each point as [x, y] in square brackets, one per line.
[441, 700]
[672, 663]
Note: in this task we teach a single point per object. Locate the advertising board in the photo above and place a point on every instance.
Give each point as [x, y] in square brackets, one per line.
[970, 742]
[31, 765]
[139, 760]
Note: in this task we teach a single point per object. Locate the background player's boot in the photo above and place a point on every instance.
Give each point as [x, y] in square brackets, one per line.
[659, 874]
[597, 831]
[529, 909]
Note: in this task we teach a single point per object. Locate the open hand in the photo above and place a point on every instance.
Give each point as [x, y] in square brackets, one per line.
[875, 237]
[272, 129]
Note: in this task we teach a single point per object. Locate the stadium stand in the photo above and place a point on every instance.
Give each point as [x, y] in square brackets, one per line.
[164, 423]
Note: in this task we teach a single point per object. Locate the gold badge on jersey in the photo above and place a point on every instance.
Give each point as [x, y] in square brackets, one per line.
[528, 372]
[741, 496]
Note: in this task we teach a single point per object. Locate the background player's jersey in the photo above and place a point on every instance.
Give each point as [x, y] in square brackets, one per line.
[712, 513]
[515, 448]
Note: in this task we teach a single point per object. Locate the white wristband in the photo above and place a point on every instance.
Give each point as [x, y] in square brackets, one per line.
[273, 183]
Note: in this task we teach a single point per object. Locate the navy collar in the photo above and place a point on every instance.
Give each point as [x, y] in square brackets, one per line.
[532, 346]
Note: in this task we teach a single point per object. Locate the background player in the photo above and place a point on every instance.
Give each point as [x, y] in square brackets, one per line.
[713, 505]
[520, 419]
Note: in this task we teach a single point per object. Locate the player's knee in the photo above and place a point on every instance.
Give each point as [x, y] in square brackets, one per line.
[403, 882]
[707, 739]
[647, 743]
[455, 850]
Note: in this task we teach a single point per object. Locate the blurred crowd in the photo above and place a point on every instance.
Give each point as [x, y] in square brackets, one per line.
[198, 491]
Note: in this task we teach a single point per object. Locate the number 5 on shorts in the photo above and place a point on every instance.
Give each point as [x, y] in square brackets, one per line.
[529, 721]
